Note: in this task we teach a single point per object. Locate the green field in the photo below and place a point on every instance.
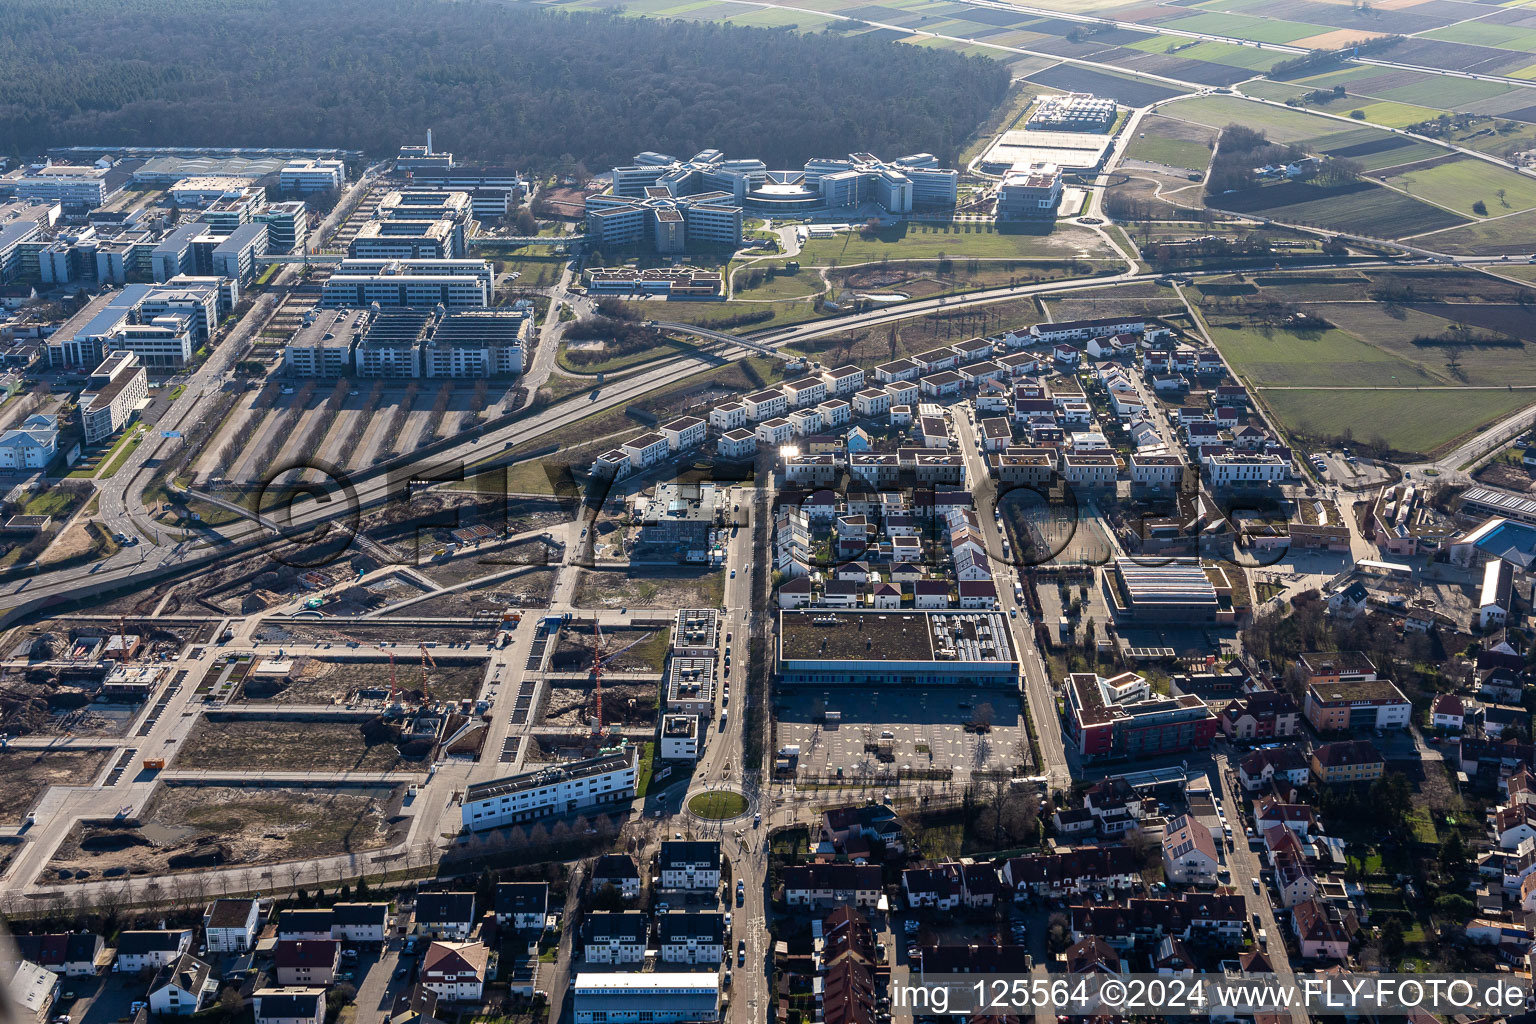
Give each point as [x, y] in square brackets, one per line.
[1242, 26]
[1313, 359]
[1407, 420]
[1390, 113]
[1395, 328]
[1280, 124]
[1458, 183]
[1374, 149]
[1361, 207]
[1160, 149]
[1482, 33]
[1515, 236]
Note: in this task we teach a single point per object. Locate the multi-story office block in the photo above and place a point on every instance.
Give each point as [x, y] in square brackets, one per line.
[116, 390]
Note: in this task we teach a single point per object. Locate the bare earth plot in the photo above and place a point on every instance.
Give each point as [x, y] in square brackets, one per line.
[287, 745]
[650, 588]
[28, 773]
[529, 589]
[196, 827]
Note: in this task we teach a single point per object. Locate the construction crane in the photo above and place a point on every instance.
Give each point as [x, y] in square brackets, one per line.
[597, 673]
[426, 658]
[394, 685]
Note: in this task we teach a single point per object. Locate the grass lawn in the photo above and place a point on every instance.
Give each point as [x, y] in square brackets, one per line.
[1360, 207]
[647, 768]
[669, 347]
[1391, 114]
[718, 805]
[48, 503]
[1458, 183]
[121, 451]
[92, 461]
[1407, 420]
[782, 285]
[1313, 359]
[918, 240]
[1159, 149]
[1280, 124]
[1509, 235]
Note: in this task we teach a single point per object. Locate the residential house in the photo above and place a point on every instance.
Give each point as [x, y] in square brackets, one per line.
[303, 1005]
[613, 938]
[182, 988]
[360, 922]
[455, 971]
[72, 954]
[691, 938]
[937, 887]
[229, 926]
[306, 961]
[1448, 713]
[874, 822]
[1190, 854]
[1261, 715]
[523, 906]
[1320, 930]
[137, 950]
[831, 884]
[1346, 762]
[305, 924]
[1072, 871]
[445, 915]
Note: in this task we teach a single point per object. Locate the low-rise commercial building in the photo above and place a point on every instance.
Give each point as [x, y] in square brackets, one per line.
[657, 997]
[1121, 717]
[918, 648]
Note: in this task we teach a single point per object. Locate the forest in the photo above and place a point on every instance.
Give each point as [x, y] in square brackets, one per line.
[510, 84]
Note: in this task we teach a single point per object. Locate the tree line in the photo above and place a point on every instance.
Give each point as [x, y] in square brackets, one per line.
[507, 84]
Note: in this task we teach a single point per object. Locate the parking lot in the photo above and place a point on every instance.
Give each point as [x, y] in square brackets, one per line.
[926, 730]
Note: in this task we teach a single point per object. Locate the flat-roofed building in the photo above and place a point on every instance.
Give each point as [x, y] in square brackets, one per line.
[235, 256]
[1175, 590]
[453, 284]
[689, 684]
[1341, 704]
[680, 737]
[1031, 193]
[1120, 716]
[116, 390]
[477, 343]
[71, 184]
[650, 997]
[391, 345]
[323, 344]
[608, 778]
[306, 176]
[918, 648]
[287, 226]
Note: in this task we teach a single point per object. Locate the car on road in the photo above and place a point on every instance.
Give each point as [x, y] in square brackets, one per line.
[733, 574]
[757, 819]
[1255, 881]
[741, 953]
[741, 893]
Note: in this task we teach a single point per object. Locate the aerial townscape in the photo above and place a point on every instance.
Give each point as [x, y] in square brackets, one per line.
[639, 512]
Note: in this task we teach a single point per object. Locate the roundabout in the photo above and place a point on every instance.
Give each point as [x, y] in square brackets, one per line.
[718, 805]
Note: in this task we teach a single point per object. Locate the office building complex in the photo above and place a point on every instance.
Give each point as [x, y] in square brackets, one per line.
[162, 324]
[410, 343]
[1030, 193]
[74, 185]
[235, 256]
[415, 225]
[671, 204]
[455, 284]
[116, 390]
[287, 226]
[303, 177]
[20, 223]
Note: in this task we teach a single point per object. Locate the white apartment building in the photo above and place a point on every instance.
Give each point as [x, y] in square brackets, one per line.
[903, 392]
[116, 390]
[685, 433]
[775, 431]
[302, 177]
[872, 402]
[646, 450]
[691, 938]
[688, 865]
[680, 738]
[608, 778]
[804, 422]
[844, 380]
[835, 412]
[1156, 470]
[730, 416]
[613, 938]
[766, 405]
[1090, 470]
[805, 391]
[1237, 469]
[738, 444]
